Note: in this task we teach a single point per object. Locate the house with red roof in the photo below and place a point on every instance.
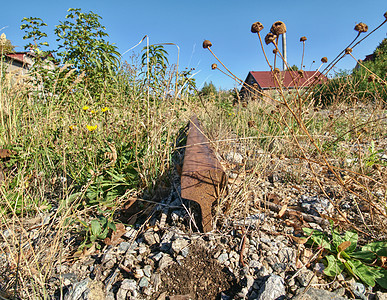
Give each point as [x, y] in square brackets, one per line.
[259, 83]
[20, 62]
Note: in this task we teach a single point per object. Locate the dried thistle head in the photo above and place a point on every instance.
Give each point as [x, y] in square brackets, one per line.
[244, 104]
[214, 66]
[303, 39]
[324, 60]
[207, 44]
[348, 50]
[361, 27]
[301, 73]
[385, 15]
[275, 51]
[251, 124]
[276, 71]
[270, 38]
[256, 27]
[371, 78]
[278, 28]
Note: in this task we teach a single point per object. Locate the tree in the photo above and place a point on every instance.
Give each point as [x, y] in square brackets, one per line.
[292, 68]
[371, 77]
[82, 43]
[208, 89]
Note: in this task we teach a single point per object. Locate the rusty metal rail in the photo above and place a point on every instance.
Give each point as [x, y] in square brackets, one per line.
[202, 177]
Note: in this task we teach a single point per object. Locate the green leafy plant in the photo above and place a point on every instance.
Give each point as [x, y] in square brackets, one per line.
[98, 229]
[341, 253]
[373, 156]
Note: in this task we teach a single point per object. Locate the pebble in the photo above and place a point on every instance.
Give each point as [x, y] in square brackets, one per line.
[234, 157]
[165, 261]
[124, 246]
[179, 244]
[274, 288]
[144, 282]
[151, 237]
[316, 294]
[128, 284]
[148, 271]
[222, 258]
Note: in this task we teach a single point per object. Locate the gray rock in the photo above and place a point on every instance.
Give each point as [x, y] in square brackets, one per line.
[157, 256]
[165, 261]
[286, 255]
[148, 270]
[381, 296]
[179, 244]
[128, 284]
[234, 157]
[222, 258]
[317, 294]
[124, 246]
[274, 288]
[130, 233]
[305, 277]
[79, 291]
[144, 282]
[151, 237]
[359, 290]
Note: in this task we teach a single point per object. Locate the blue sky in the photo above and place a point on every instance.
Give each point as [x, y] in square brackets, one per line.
[328, 27]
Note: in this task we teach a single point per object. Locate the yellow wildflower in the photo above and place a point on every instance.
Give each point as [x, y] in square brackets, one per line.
[93, 112]
[72, 127]
[85, 107]
[104, 109]
[91, 128]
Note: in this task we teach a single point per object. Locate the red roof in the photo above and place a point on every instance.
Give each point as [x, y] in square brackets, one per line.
[289, 79]
[18, 56]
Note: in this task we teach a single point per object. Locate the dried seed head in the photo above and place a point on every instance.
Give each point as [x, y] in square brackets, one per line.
[385, 15]
[371, 78]
[348, 50]
[324, 60]
[244, 104]
[276, 71]
[361, 27]
[251, 124]
[270, 38]
[207, 44]
[301, 73]
[214, 66]
[303, 39]
[278, 28]
[256, 27]
[275, 51]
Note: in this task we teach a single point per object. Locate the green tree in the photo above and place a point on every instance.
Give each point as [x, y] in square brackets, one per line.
[371, 77]
[208, 89]
[82, 43]
[292, 68]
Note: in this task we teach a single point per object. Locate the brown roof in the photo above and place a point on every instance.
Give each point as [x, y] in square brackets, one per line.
[289, 79]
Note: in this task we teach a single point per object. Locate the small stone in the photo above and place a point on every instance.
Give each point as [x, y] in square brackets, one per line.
[148, 270]
[305, 277]
[144, 282]
[151, 237]
[316, 294]
[274, 288]
[179, 244]
[128, 284]
[130, 233]
[124, 246]
[139, 273]
[222, 258]
[165, 261]
[157, 256]
[234, 157]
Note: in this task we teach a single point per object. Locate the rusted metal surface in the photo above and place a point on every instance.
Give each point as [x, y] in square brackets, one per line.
[202, 177]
